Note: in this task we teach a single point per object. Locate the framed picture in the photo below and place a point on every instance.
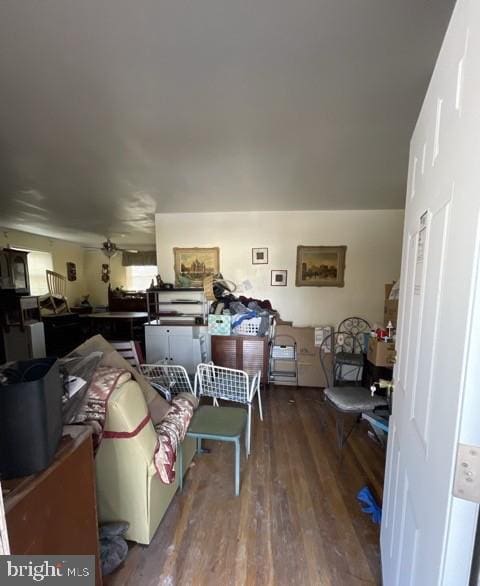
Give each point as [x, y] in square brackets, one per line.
[105, 273]
[71, 271]
[260, 256]
[279, 278]
[320, 266]
[192, 265]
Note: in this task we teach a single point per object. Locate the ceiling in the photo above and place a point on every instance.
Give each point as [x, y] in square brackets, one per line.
[113, 110]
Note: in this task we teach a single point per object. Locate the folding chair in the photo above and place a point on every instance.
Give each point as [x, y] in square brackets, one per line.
[168, 379]
[229, 384]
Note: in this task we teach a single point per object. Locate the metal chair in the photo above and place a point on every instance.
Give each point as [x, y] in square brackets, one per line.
[57, 289]
[345, 400]
[167, 379]
[229, 384]
[352, 353]
[346, 358]
[357, 326]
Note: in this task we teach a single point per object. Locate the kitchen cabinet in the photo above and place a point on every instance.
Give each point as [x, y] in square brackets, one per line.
[177, 344]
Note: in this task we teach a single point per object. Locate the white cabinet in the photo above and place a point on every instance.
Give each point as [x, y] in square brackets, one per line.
[184, 345]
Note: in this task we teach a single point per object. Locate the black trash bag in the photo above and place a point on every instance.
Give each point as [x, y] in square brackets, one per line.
[113, 547]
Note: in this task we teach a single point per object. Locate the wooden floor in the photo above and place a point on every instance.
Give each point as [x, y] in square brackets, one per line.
[296, 522]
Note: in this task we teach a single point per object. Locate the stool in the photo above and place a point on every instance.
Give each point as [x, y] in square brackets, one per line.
[224, 424]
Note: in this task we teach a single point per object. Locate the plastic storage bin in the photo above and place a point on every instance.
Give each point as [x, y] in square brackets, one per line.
[219, 325]
[30, 417]
[250, 327]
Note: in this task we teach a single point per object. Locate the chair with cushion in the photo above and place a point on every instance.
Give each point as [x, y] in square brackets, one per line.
[346, 399]
[229, 384]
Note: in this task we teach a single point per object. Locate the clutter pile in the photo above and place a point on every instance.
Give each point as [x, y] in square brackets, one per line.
[238, 315]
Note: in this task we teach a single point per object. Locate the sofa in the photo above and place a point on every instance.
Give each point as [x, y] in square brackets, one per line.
[128, 487]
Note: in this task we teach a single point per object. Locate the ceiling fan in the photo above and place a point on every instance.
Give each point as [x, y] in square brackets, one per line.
[110, 249]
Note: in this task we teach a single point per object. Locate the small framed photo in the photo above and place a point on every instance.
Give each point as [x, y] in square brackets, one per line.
[279, 279]
[260, 256]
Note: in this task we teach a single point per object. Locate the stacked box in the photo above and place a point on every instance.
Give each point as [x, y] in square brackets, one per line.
[381, 353]
[310, 372]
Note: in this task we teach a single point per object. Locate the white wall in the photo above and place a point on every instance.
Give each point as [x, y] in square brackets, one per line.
[97, 289]
[373, 256]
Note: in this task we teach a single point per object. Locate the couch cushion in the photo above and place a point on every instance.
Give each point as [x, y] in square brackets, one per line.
[353, 399]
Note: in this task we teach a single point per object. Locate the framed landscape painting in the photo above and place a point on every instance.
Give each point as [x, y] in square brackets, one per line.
[320, 266]
[192, 265]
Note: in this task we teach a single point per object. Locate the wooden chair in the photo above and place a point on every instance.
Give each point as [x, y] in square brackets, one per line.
[131, 351]
[57, 289]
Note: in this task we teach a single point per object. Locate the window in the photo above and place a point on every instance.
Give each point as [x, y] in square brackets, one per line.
[140, 278]
[38, 263]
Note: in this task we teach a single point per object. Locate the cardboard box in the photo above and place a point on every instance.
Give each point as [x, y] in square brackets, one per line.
[381, 353]
[390, 307]
[310, 372]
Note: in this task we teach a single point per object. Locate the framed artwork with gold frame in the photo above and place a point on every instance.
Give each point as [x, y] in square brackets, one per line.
[320, 266]
[192, 265]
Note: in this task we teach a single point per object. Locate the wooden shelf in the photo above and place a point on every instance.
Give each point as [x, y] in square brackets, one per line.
[173, 302]
[175, 289]
[162, 301]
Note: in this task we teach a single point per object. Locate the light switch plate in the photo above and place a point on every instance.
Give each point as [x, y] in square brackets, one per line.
[466, 484]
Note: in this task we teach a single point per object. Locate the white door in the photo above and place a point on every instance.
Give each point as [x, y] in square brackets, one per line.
[4, 545]
[427, 534]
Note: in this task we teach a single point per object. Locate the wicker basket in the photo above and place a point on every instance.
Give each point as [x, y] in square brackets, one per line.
[208, 287]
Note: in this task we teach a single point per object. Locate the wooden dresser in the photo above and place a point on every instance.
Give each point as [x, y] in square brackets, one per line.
[248, 353]
[55, 511]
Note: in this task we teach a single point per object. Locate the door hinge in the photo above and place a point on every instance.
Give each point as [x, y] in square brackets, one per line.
[466, 484]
